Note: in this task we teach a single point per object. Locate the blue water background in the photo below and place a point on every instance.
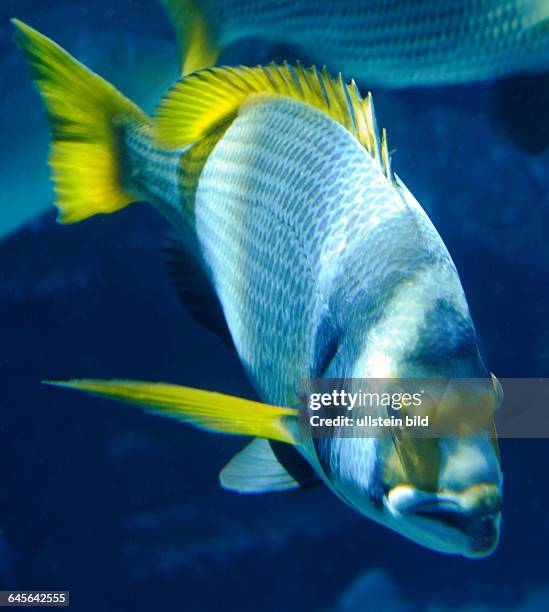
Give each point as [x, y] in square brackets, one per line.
[124, 510]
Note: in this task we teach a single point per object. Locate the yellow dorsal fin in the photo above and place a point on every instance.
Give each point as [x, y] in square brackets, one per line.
[215, 412]
[206, 100]
[195, 42]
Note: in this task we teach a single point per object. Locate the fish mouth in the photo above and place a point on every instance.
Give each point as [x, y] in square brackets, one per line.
[465, 523]
[481, 531]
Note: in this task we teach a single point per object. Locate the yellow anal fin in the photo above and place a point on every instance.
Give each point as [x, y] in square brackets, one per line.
[196, 46]
[203, 102]
[204, 409]
[85, 114]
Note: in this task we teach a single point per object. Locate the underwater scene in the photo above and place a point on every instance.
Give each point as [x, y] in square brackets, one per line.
[199, 210]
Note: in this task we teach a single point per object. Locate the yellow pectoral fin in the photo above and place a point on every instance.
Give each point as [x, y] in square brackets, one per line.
[205, 409]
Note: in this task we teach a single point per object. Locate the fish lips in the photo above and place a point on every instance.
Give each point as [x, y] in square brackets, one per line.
[465, 523]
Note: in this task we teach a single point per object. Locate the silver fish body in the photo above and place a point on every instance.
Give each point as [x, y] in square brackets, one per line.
[307, 242]
[306, 239]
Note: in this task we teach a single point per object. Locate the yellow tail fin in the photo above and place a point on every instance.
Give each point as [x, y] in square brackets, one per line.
[196, 46]
[85, 114]
[205, 409]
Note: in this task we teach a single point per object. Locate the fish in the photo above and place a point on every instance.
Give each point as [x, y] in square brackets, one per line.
[298, 244]
[400, 43]
[395, 44]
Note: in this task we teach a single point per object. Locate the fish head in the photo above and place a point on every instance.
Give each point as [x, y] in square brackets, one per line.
[442, 486]
[445, 492]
